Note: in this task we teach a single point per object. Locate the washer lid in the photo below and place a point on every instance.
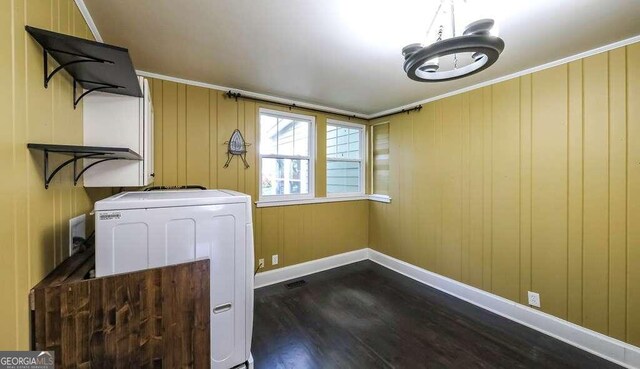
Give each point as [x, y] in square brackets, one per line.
[163, 199]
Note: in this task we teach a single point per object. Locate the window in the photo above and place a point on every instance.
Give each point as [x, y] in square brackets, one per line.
[380, 150]
[345, 166]
[286, 155]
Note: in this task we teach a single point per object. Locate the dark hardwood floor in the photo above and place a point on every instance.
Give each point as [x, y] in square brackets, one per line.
[366, 316]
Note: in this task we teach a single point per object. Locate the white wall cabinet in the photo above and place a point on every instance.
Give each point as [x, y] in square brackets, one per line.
[119, 121]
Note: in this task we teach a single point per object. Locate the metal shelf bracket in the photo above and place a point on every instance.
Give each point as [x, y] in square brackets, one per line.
[102, 86]
[76, 177]
[48, 177]
[82, 59]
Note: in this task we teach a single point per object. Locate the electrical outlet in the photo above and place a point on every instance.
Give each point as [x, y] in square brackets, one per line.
[534, 298]
[260, 263]
[76, 229]
[274, 259]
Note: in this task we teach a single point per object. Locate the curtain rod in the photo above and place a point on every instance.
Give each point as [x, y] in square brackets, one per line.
[237, 95]
[415, 108]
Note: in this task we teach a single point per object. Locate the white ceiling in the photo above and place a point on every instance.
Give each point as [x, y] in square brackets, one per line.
[343, 54]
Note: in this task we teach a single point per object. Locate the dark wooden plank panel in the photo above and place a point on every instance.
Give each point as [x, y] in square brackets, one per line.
[170, 291]
[188, 322]
[158, 323]
[82, 296]
[127, 320]
[149, 319]
[108, 302]
[95, 335]
[150, 335]
[66, 269]
[53, 332]
[202, 323]
[68, 325]
[38, 299]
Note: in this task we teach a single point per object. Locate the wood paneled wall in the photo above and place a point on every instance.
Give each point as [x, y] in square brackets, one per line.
[532, 184]
[191, 126]
[33, 221]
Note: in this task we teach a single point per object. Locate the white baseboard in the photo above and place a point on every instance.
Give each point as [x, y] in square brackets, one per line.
[596, 343]
[604, 346]
[299, 270]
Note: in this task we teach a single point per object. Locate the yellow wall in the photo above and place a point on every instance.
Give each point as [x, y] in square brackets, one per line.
[33, 221]
[529, 184]
[191, 126]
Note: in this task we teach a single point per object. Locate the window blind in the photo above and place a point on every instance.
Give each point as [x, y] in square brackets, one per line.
[380, 145]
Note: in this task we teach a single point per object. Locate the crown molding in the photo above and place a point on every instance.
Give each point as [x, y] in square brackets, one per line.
[374, 116]
[281, 100]
[538, 68]
[96, 34]
[87, 18]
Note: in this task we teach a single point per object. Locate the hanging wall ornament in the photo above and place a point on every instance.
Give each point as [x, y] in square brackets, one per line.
[236, 146]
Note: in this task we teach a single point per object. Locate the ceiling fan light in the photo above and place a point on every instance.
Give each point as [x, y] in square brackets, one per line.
[480, 27]
[411, 49]
[477, 56]
[429, 68]
[484, 49]
[473, 51]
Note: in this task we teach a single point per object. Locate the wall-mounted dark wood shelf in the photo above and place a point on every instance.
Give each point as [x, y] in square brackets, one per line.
[100, 154]
[93, 65]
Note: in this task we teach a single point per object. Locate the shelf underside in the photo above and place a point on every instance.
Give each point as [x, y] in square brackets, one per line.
[98, 155]
[94, 152]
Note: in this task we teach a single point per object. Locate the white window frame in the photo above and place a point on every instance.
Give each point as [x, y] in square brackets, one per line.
[311, 157]
[361, 127]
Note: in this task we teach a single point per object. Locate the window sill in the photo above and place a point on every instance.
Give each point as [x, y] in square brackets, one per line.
[321, 200]
[317, 200]
[380, 198]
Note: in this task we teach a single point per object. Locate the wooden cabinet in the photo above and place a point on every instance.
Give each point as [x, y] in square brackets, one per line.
[120, 121]
[156, 318]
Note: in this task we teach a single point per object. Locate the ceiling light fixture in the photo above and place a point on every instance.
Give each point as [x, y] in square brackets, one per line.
[452, 56]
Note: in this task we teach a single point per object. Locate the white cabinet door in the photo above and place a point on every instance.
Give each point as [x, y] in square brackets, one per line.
[119, 121]
[149, 171]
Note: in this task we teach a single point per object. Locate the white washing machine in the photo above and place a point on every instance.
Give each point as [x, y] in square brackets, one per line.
[141, 230]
